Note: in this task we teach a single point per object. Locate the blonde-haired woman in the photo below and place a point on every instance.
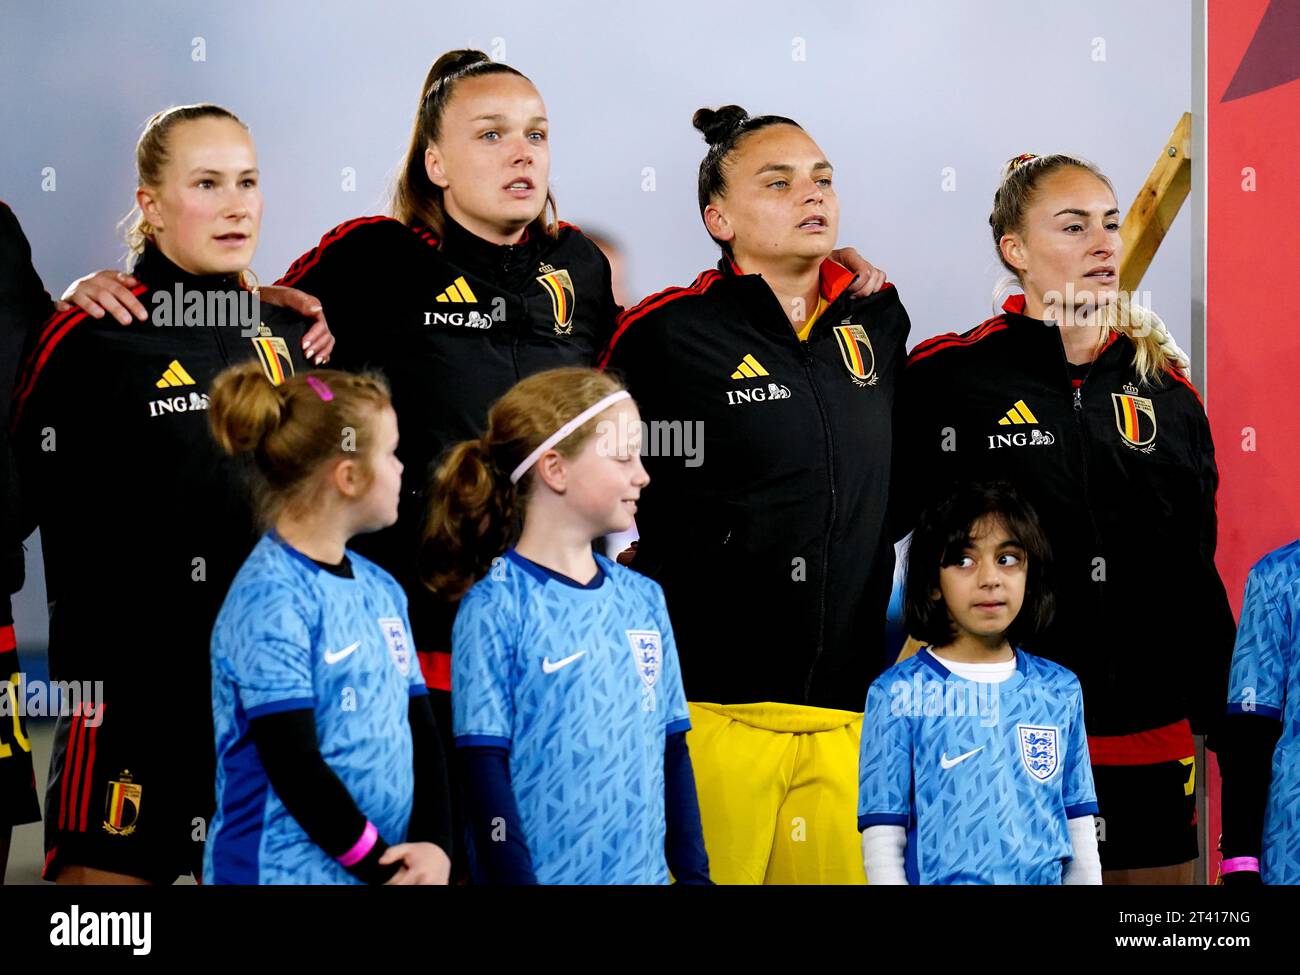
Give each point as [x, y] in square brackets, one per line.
[1080, 400]
[143, 523]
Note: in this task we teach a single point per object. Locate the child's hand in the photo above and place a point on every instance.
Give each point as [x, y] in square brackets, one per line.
[422, 863]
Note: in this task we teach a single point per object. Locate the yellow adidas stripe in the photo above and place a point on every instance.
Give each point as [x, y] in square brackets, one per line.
[1025, 411]
[749, 368]
[175, 375]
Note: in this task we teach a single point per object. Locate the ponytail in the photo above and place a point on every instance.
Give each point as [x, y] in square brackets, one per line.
[1154, 349]
[416, 200]
[476, 513]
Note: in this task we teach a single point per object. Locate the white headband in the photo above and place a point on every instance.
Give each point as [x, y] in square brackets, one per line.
[565, 430]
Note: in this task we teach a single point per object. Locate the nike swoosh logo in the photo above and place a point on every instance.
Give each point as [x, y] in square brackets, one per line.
[550, 668]
[947, 763]
[334, 656]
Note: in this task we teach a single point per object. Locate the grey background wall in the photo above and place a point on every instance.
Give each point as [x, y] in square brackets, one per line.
[901, 94]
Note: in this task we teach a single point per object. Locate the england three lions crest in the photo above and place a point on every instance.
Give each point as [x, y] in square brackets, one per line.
[647, 651]
[399, 647]
[1039, 750]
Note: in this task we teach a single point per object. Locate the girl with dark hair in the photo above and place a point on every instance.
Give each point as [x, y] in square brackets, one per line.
[769, 537]
[974, 764]
[1076, 396]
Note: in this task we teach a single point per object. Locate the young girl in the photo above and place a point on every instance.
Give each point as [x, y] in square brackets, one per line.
[773, 551]
[1261, 809]
[974, 765]
[1073, 395]
[568, 702]
[142, 522]
[326, 746]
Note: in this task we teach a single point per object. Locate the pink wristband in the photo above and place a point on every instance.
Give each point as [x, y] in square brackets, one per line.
[1240, 863]
[361, 847]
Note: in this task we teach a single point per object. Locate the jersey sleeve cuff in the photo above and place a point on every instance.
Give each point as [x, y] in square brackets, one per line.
[278, 707]
[1079, 809]
[680, 725]
[882, 819]
[1264, 710]
[418, 690]
[481, 741]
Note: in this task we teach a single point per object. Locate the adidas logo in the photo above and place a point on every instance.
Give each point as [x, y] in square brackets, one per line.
[458, 291]
[749, 368]
[175, 375]
[1020, 413]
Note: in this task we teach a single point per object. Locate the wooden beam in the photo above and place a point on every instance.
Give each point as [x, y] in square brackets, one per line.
[1156, 205]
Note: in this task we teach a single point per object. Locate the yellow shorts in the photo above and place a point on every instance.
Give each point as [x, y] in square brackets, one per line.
[778, 791]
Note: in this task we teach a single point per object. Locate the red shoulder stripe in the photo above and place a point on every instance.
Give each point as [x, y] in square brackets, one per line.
[951, 340]
[702, 283]
[52, 333]
[428, 236]
[301, 266]
[1186, 382]
[559, 224]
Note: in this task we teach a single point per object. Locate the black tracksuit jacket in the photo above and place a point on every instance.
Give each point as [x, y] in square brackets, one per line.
[144, 520]
[1123, 478]
[773, 551]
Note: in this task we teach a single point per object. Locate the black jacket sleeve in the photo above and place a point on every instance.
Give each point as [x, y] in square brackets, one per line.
[290, 752]
[431, 814]
[1216, 630]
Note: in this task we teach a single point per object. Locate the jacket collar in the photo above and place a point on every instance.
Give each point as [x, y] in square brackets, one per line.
[158, 272]
[476, 254]
[834, 281]
[1014, 308]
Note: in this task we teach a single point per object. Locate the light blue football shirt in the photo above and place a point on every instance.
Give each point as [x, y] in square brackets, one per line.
[583, 686]
[1265, 680]
[983, 776]
[291, 635]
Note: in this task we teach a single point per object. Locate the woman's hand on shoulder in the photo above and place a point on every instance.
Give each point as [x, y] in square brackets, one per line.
[104, 292]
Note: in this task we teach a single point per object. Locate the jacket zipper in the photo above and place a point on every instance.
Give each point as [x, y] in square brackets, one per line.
[830, 519]
[1087, 494]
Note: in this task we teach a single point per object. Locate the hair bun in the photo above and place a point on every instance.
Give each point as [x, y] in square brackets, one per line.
[244, 407]
[717, 124]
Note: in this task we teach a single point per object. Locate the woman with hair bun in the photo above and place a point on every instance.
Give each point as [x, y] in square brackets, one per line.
[327, 751]
[769, 539]
[142, 521]
[1079, 398]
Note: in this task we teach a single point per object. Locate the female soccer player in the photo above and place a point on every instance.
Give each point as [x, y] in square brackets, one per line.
[1071, 396]
[1261, 798]
[470, 284]
[568, 701]
[23, 303]
[773, 386]
[974, 765]
[142, 521]
[327, 750]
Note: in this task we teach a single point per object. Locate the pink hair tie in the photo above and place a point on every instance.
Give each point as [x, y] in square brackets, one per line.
[323, 391]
